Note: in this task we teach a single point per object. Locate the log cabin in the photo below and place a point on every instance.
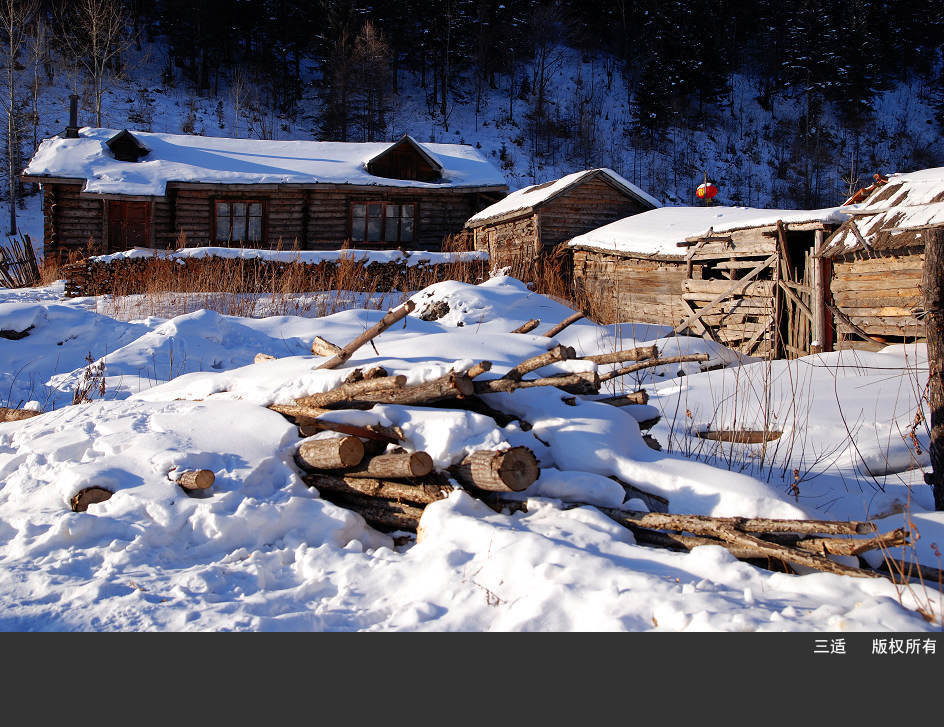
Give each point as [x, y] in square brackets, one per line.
[742, 277]
[875, 259]
[531, 221]
[125, 189]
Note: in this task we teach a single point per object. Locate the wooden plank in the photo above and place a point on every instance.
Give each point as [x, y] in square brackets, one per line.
[799, 303]
[726, 288]
[729, 290]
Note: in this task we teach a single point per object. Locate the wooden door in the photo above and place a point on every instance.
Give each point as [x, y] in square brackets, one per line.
[129, 225]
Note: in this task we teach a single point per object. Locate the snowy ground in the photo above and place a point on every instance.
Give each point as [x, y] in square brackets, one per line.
[264, 552]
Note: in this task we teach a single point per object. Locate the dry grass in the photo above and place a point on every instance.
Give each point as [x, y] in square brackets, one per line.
[250, 287]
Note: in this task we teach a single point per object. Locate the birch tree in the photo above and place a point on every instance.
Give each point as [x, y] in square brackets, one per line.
[95, 34]
[16, 15]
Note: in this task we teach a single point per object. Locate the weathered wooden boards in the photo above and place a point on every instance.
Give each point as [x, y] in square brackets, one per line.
[878, 296]
[933, 288]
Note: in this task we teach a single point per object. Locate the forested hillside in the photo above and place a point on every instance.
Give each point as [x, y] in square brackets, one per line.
[786, 104]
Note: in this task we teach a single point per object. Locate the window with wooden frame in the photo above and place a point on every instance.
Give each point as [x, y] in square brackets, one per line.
[383, 222]
[238, 221]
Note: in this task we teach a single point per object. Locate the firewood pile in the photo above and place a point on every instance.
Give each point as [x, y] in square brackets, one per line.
[127, 276]
[368, 470]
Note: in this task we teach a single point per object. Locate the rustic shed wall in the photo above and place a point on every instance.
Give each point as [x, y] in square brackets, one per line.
[621, 288]
[70, 221]
[582, 208]
[878, 293]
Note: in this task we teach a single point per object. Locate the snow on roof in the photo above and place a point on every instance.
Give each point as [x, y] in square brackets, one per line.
[185, 158]
[529, 197]
[656, 232]
[905, 203]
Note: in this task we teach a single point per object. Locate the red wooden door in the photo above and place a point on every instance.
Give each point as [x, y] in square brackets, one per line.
[129, 225]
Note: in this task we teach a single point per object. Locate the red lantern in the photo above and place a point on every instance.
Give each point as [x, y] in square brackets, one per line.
[708, 190]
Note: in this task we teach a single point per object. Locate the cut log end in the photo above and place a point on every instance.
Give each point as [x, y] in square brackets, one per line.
[195, 479]
[335, 453]
[511, 470]
[89, 496]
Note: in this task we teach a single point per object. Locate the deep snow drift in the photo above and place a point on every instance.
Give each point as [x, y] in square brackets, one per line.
[264, 552]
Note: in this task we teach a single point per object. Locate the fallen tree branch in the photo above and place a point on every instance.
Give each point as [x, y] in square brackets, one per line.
[528, 327]
[388, 320]
[652, 363]
[323, 347]
[708, 524]
[630, 354]
[564, 324]
[558, 353]
[353, 391]
[585, 382]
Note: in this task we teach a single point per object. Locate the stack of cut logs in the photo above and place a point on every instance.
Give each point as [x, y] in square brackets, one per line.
[365, 468]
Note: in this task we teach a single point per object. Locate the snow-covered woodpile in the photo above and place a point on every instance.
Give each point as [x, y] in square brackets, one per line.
[259, 271]
[877, 259]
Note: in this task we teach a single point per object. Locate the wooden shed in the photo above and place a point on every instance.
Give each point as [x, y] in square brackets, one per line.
[123, 189]
[534, 219]
[742, 277]
[876, 259]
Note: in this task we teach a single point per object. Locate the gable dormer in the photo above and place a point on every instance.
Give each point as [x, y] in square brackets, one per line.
[406, 159]
[126, 147]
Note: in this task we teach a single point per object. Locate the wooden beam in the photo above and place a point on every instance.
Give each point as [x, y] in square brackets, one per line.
[818, 295]
[730, 290]
[843, 318]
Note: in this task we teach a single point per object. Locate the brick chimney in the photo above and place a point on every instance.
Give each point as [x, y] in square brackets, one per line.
[72, 130]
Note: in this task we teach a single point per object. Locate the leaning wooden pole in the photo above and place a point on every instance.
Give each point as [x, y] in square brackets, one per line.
[388, 320]
[932, 285]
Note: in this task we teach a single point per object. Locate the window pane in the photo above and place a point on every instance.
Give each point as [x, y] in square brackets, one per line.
[374, 222]
[390, 224]
[255, 209]
[239, 209]
[222, 223]
[239, 229]
[358, 222]
[406, 229]
[255, 229]
[406, 210]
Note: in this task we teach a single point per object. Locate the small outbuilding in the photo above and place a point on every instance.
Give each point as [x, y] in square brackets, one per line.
[743, 277]
[535, 219]
[876, 259]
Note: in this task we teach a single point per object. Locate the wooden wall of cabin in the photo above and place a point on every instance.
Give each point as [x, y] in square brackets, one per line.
[70, 222]
[878, 293]
[619, 289]
[509, 243]
[583, 208]
[320, 218]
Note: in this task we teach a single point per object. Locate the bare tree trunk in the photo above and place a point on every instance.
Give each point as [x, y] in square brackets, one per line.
[932, 285]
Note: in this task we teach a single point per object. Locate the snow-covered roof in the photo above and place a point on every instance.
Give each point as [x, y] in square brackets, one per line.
[530, 197]
[658, 231]
[891, 217]
[186, 158]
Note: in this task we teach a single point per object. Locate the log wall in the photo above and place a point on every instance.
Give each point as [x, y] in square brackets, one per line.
[70, 222]
[583, 208]
[314, 218]
[878, 293]
[508, 243]
[621, 288]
